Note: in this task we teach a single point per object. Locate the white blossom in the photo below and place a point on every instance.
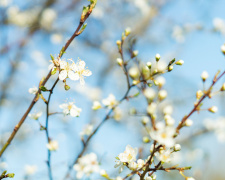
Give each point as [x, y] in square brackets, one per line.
[33, 90]
[70, 109]
[164, 134]
[86, 165]
[165, 156]
[87, 130]
[110, 101]
[128, 156]
[30, 169]
[96, 105]
[81, 71]
[35, 116]
[53, 145]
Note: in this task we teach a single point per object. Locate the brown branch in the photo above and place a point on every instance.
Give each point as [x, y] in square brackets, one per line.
[76, 33]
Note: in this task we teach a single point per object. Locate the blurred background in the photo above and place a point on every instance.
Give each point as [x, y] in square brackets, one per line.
[191, 30]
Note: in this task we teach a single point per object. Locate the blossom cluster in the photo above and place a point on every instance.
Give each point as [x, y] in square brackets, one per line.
[70, 69]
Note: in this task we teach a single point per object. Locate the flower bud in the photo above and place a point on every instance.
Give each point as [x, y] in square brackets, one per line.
[134, 73]
[103, 173]
[204, 75]
[135, 53]
[188, 122]
[96, 105]
[145, 120]
[223, 87]
[149, 64]
[146, 139]
[199, 94]
[119, 61]
[162, 94]
[157, 57]
[213, 109]
[177, 147]
[118, 42]
[223, 49]
[127, 31]
[66, 87]
[170, 68]
[179, 62]
[149, 93]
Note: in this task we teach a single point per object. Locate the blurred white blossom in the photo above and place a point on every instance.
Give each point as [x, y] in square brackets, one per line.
[70, 109]
[86, 165]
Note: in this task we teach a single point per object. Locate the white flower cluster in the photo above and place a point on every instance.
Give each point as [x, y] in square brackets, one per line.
[163, 134]
[86, 165]
[128, 158]
[72, 70]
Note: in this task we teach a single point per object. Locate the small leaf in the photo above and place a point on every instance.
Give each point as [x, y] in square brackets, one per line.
[42, 88]
[171, 62]
[137, 94]
[83, 28]
[52, 57]
[53, 71]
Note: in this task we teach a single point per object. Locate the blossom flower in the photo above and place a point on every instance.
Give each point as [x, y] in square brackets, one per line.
[96, 105]
[164, 156]
[35, 116]
[87, 130]
[67, 70]
[80, 70]
[54, 64]
[164, 134]
[53, 145]
[70, 109]
[110, 101]
[30, 169]
[86, 165]
[128, 156]
[33, 90]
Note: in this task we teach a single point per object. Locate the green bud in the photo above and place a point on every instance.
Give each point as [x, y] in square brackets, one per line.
[11, 175]
[67, 87]
[170, 68]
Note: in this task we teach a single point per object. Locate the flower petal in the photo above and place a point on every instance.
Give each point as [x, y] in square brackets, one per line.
[63, 75]
[81, 65]
[86, 72]
[73, 76]
[63, 64]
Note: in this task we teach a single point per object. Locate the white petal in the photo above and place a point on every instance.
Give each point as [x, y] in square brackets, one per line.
[74, 67]
[63, 106]
[73, 76]
[81, 65]
[51, 66]
[63, 75]
[87, 73]
[63, 64]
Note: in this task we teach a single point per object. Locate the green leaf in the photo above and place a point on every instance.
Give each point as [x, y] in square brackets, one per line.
[42, 88]
[137, 94]
[53, 71]
[171, 62]
[83, 28]
[52, 57]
